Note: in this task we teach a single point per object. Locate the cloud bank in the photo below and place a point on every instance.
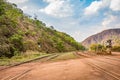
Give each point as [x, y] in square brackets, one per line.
[57, 8]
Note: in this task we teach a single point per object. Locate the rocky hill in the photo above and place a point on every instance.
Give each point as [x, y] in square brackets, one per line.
[100, 38]
[19, 33]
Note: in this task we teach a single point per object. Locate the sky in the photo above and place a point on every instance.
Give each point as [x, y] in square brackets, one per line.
[78, 18]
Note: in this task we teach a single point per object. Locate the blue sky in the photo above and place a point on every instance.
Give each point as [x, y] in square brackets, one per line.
[78, 18]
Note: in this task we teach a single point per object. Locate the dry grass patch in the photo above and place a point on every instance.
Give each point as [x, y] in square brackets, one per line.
[65, 56]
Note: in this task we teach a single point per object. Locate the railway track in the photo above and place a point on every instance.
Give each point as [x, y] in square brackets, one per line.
[106, 57]
[100, 60]
[49, 58]
[112, 74]
[116, 59]
[23, 62]
[46, 56]
[17, 76]
[20, 75]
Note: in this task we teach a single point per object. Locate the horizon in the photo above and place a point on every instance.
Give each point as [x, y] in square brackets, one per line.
[80, 19]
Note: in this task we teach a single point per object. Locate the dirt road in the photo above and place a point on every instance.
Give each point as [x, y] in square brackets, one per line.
[76, 69]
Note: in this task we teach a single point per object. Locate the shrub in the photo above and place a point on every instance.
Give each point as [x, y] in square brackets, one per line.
[60, 46]
[30, 45]
[27, 32]
[2, 8]
[33, 33]
[17, 41]
[116, 48]
[96, 47]
[20, 32]
[6, 50]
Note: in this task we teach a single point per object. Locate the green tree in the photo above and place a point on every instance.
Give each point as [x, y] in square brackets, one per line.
[2, 7]
[96, 47]
[116, 48]
[17, 40]
[60, 46]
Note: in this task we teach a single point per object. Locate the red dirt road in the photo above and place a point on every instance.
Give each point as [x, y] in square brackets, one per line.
[76, 69]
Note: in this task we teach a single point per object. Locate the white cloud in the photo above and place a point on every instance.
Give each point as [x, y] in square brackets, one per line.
[95, 6]
[58, 8]
[111, 21]
[115, 5]
[108, 20]
[17, 1]
[24, 8]
[77, 35]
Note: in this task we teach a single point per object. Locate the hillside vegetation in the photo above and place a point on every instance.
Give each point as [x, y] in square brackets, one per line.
[19, 33]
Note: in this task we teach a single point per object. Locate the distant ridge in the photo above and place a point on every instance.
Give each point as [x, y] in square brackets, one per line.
[101, 37]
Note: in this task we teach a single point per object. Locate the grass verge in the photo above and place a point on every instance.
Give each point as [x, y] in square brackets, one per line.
[20, 58]
[33, 55]
[65, 56]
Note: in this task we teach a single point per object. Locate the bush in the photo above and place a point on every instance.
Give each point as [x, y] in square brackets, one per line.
[60, 46]
[17, 41]
[30, 45]
[27, 32]
[33, 33]
[116, 48]
[20, 32]
[2, 8]
[96, 47]
[6, 50]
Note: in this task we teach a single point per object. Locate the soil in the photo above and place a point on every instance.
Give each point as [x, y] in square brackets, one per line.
[74, 69]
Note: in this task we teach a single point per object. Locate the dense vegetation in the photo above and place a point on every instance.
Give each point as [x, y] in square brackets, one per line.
[98, 48]
[95, 47]
[116, 48]
[19, 33]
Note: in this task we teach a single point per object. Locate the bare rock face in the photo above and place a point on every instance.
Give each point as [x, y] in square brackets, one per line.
[100, 38]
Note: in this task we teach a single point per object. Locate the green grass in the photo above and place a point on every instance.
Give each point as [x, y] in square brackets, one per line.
[33, 55]
[20, 58]
[65, 56]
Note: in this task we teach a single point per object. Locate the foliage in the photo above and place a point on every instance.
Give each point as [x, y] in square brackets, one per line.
[65, 37]
[2, 9]
[65, 56]
[30, 45]
[99, 49]
[33, 33]
[17, 41]
[6, 50]
[116, 48]
[60, 46]
[4, 61]
[96, 47]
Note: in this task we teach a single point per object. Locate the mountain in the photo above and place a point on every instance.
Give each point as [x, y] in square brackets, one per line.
[19, 33]
[100, 38]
